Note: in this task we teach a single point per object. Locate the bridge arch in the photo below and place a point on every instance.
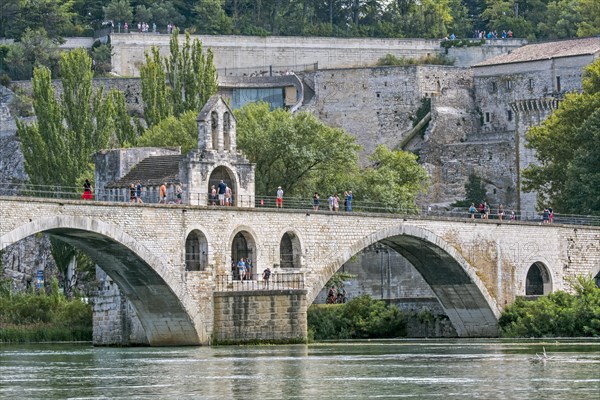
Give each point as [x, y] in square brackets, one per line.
[290, 249]
[462, 294]
[169, 316]
[243, 244]
[538, 280]
[196, 251]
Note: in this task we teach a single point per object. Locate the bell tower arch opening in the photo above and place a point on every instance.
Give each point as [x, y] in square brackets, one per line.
[227, 131]
[222, 173]
[538, 282]
[290, 251]
[196, 251]
[243, 246]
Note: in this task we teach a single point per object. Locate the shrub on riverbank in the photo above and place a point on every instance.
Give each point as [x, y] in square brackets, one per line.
[360, 318]
[40, 317]
[558, 314]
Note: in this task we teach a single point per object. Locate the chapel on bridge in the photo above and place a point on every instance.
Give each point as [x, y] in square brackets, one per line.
[216, 158]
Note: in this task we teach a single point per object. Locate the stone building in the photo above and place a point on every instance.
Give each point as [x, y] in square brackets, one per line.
[516, 91]
[216, 158]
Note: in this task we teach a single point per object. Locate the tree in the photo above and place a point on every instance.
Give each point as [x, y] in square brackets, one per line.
[59, 145]
[291, 151]
[173, 131]
[564, 144]
[474, 192]
[189, 81]
[210, 18]
[394, 180]
[33, 50]
[590, 13]
[118, 11]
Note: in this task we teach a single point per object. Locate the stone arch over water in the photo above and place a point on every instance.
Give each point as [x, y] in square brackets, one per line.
[462, 294]
[538, 281]
[146, 281]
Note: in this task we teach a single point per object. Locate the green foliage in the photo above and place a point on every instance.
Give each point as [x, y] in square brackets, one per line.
[35, 49]
[360, 318]
[119, 11]
[475, 192]
[566, 145]
[189, 81]
[294, 152]
[338, 279]
[172, 132]
[59, 145]
[462, 43]
[102, 56]
[436, 59]
[339, 18]
[558, 314]
[36, 317]
[394, 180]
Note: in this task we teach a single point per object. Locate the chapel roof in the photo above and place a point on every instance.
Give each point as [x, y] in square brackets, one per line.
[546, 51]
[152, 171]
[211, 105]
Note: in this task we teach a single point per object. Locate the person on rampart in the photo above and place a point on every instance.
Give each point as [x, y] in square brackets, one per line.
[279, 198]
[222, 189]
[162, 193]
[87, 190]
[138, 192]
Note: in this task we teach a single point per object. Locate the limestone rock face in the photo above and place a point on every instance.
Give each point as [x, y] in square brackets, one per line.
[21, 261]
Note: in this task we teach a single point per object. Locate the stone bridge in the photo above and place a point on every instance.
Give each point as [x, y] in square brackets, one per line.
[167, 259]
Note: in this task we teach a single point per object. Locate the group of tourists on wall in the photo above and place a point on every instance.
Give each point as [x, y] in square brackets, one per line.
[333, 201]
[484, 212]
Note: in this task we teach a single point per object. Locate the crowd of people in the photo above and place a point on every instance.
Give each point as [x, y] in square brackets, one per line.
[333, 201]
[484, 210]
[485, 35]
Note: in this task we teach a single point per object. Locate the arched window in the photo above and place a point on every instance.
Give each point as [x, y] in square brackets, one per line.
[538, 280]
[243, 246]
[289, 251]
[196, 251]
[214, 129]
[227, 131]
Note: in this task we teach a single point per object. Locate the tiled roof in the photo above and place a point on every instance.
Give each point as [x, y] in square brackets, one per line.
[152, 171]
[546, 51]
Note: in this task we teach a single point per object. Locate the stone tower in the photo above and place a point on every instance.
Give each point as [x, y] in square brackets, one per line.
[217, 158]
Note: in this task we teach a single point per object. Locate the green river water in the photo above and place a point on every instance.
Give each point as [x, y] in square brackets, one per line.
[425, 369]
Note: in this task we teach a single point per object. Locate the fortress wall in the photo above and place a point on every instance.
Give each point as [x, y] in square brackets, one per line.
[251, 51]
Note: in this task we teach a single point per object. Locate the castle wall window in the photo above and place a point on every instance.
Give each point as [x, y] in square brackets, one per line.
[509, 115]
[558, 84]
[487, 117]
[494, 87]
[508, 85]
[530, 84]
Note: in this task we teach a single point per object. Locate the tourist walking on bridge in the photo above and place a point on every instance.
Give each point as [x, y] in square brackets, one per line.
[87, 190]
[162, 193]
[316, 201]
[138, 192]
[279, 198]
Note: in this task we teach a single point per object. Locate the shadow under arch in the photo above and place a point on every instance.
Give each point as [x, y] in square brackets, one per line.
[471, 309]
[167, 319]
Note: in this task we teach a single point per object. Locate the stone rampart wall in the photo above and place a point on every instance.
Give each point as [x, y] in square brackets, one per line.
[271, 315]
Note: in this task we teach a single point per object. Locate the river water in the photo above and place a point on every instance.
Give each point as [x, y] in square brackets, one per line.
[436, 369]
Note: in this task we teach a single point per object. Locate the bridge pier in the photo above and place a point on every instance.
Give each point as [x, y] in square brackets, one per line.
[277, 316]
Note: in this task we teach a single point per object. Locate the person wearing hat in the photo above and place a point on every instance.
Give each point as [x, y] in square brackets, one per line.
[279, 198]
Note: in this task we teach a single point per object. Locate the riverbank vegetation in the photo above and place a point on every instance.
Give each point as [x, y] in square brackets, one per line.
[560, 314]
[366, 318]
[37, 316]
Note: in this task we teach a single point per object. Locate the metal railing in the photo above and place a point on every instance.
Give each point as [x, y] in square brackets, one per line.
[277, 281]
[268, 70]
[304, 204]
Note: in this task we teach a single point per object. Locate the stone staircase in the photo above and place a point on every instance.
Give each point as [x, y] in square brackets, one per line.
[152, 171]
